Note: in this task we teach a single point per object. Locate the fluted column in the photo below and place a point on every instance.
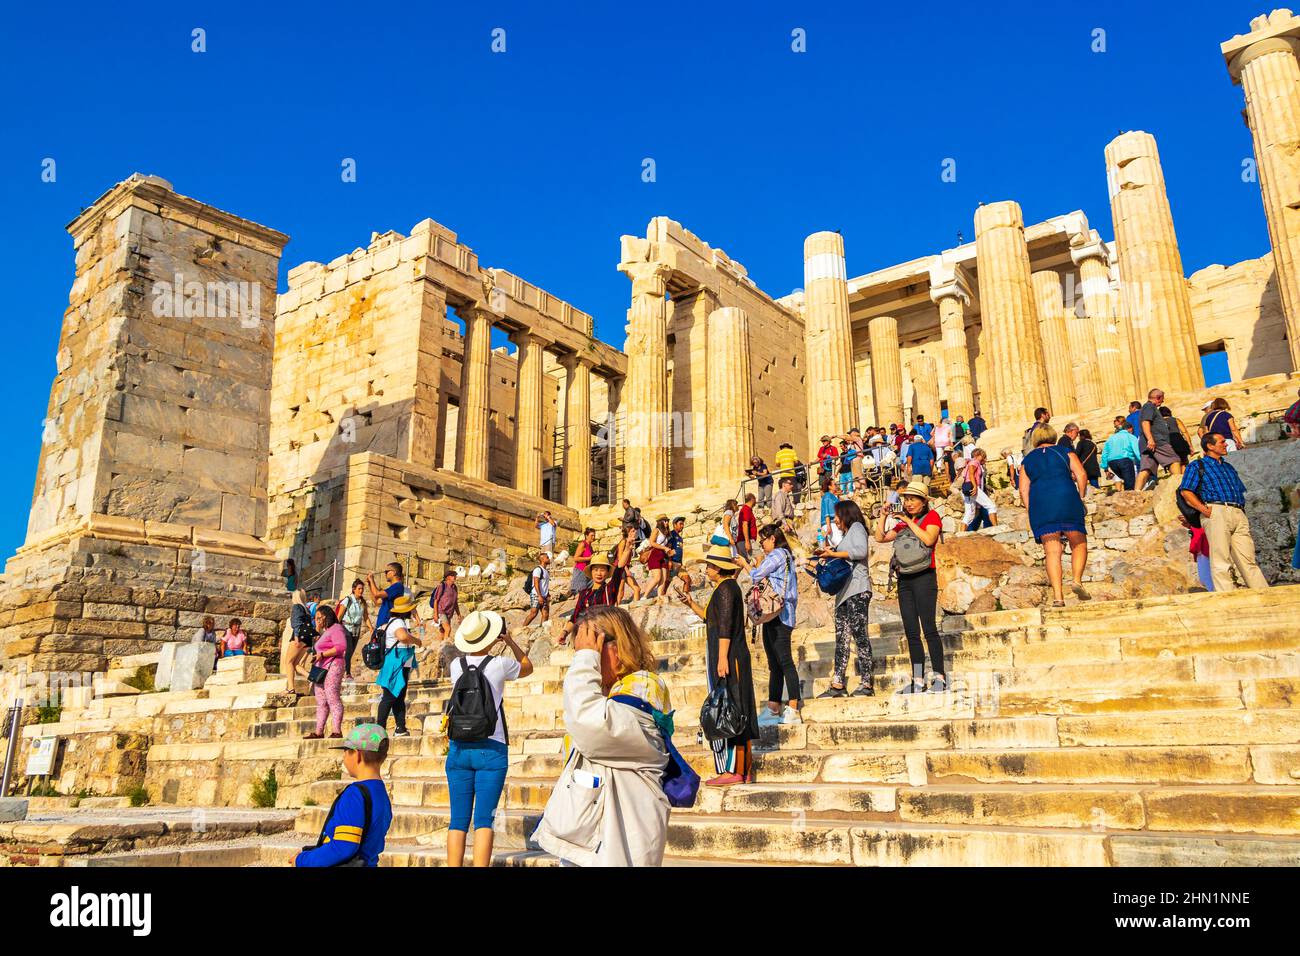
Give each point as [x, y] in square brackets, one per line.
[474, 436]
[577, 430]
[1264, 63]
[1107, 381]
[828, 337]
[886, 371]
[1057, 362]
[645, 393]
[950, 291]
[731, 404]
[528, 414]
[1151, 268]
[925, 387]
[1007, 305]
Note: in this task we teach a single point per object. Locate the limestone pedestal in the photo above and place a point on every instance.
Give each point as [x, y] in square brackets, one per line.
[184, 666]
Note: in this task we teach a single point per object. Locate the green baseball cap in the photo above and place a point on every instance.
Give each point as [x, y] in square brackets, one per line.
[367, 737]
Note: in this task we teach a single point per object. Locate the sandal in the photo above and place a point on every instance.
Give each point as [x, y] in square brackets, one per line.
[313, 736]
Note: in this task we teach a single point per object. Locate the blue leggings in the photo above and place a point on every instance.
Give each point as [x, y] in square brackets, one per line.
[476, 775]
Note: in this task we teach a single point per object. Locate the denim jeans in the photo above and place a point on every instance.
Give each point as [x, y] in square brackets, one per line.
[1125, 471]
[476, 775]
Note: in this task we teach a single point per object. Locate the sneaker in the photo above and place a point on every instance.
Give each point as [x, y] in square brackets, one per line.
[401, 733]
[833, 691]
[865, 690]
[790, 716]
[915, 687]
[768, 719]
[938, 684]
[1151, 483]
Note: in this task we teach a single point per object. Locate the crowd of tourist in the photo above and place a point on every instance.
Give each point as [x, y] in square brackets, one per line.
[617, 708]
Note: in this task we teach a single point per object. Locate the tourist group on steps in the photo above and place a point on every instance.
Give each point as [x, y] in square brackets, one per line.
[621, 772]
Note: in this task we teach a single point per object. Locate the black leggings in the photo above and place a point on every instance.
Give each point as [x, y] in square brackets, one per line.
[395, 705]
[352, 647]
[918, 594]
[781, 672]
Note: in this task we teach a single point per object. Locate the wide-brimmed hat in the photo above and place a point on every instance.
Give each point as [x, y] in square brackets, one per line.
[599, 559]
[404, 605]
[478, 631]
[875, 440]
[720, 557]
[1208, 405]
[917, 489]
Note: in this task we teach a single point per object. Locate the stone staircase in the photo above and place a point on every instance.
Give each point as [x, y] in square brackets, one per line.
[1160, 731]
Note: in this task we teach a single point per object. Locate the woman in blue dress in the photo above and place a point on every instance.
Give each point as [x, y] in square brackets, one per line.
[1052, 487]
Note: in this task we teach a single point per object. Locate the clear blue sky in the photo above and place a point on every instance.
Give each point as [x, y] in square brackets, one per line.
[534, 156]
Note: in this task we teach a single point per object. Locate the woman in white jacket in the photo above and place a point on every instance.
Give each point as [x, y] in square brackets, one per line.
[608, 807]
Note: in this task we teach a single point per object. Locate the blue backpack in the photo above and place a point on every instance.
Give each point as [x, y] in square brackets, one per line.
[833, 574]
[680, 781]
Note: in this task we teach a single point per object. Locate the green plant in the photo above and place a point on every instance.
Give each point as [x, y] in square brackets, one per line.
[49, 714]
[309, 802]
[265, 790]
[141, 680]
[43, 788]
[137, 795]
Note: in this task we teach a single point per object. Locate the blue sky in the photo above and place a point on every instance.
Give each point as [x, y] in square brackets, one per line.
[534, 156]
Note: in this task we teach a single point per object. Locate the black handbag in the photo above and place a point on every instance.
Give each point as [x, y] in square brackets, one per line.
[317, 674]
[720, 718]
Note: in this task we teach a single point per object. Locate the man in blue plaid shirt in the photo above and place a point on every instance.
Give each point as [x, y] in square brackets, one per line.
[1212, 487]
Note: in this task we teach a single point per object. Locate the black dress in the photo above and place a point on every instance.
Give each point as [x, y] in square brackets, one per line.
[724, 618]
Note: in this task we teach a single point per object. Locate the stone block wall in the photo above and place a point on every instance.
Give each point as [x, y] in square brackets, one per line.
[159, 407]
[379, 509]
[1240, 306]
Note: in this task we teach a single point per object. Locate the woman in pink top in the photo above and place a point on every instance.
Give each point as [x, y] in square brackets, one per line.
[331, 649]
[233, 641]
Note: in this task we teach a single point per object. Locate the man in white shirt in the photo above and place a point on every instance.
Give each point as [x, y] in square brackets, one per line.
[540, 593]
[546, 527]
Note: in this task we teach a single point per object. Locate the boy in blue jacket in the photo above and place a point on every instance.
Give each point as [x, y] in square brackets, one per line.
[354, 830]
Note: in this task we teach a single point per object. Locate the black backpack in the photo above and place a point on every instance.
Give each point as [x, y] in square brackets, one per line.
[372, 654]
[471, 709]
[528, 582]
[1187, 511]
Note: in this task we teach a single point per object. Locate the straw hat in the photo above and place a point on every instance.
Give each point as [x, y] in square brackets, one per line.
[720, 557]
[404, 605]
[478, 631]
[917, 489]
[599, 559]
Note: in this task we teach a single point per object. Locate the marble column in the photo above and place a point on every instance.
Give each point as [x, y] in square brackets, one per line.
[1015, 362]
[1264, 62]
[828, 337]
[730, 410]
[1057, 360]
[950, 291]
[1108, 380]
[528, 414]
[645, 393]
[474, 429]
[886, 371]
[577, 430]
[925, 387]
[1151, 269]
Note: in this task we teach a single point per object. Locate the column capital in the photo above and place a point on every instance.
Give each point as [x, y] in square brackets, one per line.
[522, 338]
[1278, 32]
[648, 278]
[998, 215]
[948, 280]
[1088, 245]
[571, 360]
